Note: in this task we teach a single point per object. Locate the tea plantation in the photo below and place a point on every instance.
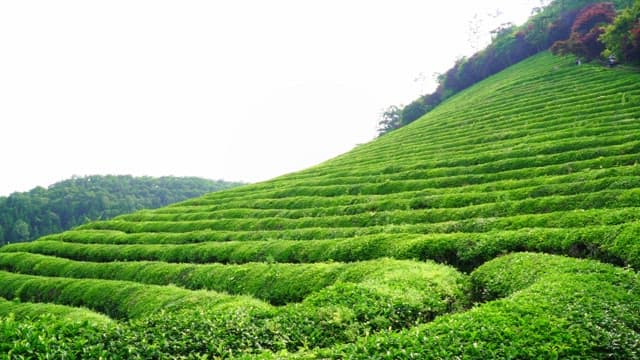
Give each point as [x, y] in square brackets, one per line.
[503, 224]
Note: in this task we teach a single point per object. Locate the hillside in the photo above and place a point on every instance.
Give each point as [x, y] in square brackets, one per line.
[457, 236]
[29, 215]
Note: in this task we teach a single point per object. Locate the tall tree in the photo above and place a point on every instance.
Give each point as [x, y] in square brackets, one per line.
[622, 37]
[390, 119]
[586, 30]
[21, 230]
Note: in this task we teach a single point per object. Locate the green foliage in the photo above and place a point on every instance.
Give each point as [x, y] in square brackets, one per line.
[25, 311]
[277, 283]
[566, 308]
[20, 231]
[390, 119]
[385, 294]
[622, 37]
[464, 250]
[47, 336]
[117, 299]
[29, 215]
[395, 117]
[335, 261]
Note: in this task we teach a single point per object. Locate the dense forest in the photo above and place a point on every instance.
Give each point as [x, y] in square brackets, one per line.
[28, 215]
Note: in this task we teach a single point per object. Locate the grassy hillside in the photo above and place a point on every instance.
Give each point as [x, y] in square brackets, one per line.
[458, 236]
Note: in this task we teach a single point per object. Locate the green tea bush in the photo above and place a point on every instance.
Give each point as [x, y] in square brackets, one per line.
[48, 337]
[274, 282]
[278, 283]
[391, 294]
[117, 299]
[25, 310]
[465, 251]
[577, 310]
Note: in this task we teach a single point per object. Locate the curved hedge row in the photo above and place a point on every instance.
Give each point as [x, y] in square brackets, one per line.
[409, 200]
[556, 219]
[562, 163]
[569, 309]
[389, 295]
[547, 175]
[592, 200]
[117, 299]
[277, 283]
[26, 310]
[612, 243]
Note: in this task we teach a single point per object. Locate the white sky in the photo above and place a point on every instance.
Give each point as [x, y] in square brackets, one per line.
[236, 90]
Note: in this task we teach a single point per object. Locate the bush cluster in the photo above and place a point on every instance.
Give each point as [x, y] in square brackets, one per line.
[566, 308]
[388, 294]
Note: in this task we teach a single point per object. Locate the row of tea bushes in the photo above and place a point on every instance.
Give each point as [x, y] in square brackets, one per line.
[612, 243]
[277, 283]
[18, 310]
[555, 307]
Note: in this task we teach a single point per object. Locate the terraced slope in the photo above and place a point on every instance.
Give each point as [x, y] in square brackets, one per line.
[393, 250]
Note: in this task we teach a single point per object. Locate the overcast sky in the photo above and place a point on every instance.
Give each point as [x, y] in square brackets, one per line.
[237, 90]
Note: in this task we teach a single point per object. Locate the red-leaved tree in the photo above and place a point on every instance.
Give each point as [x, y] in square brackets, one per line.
[586, 30]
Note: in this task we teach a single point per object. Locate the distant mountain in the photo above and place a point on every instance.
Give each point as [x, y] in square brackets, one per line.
[28, 215]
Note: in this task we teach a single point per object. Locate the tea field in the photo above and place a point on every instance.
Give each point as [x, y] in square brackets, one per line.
[503, 224]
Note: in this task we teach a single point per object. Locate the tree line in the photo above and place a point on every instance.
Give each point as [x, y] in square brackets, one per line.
[584, 28]
[25, 216]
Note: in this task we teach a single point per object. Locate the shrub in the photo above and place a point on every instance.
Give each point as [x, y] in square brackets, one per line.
[25, 311]
[579, 310]
[274, 282]
[125, 299]
[48, 337]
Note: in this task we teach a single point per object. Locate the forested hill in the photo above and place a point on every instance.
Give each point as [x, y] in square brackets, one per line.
[28, 215]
